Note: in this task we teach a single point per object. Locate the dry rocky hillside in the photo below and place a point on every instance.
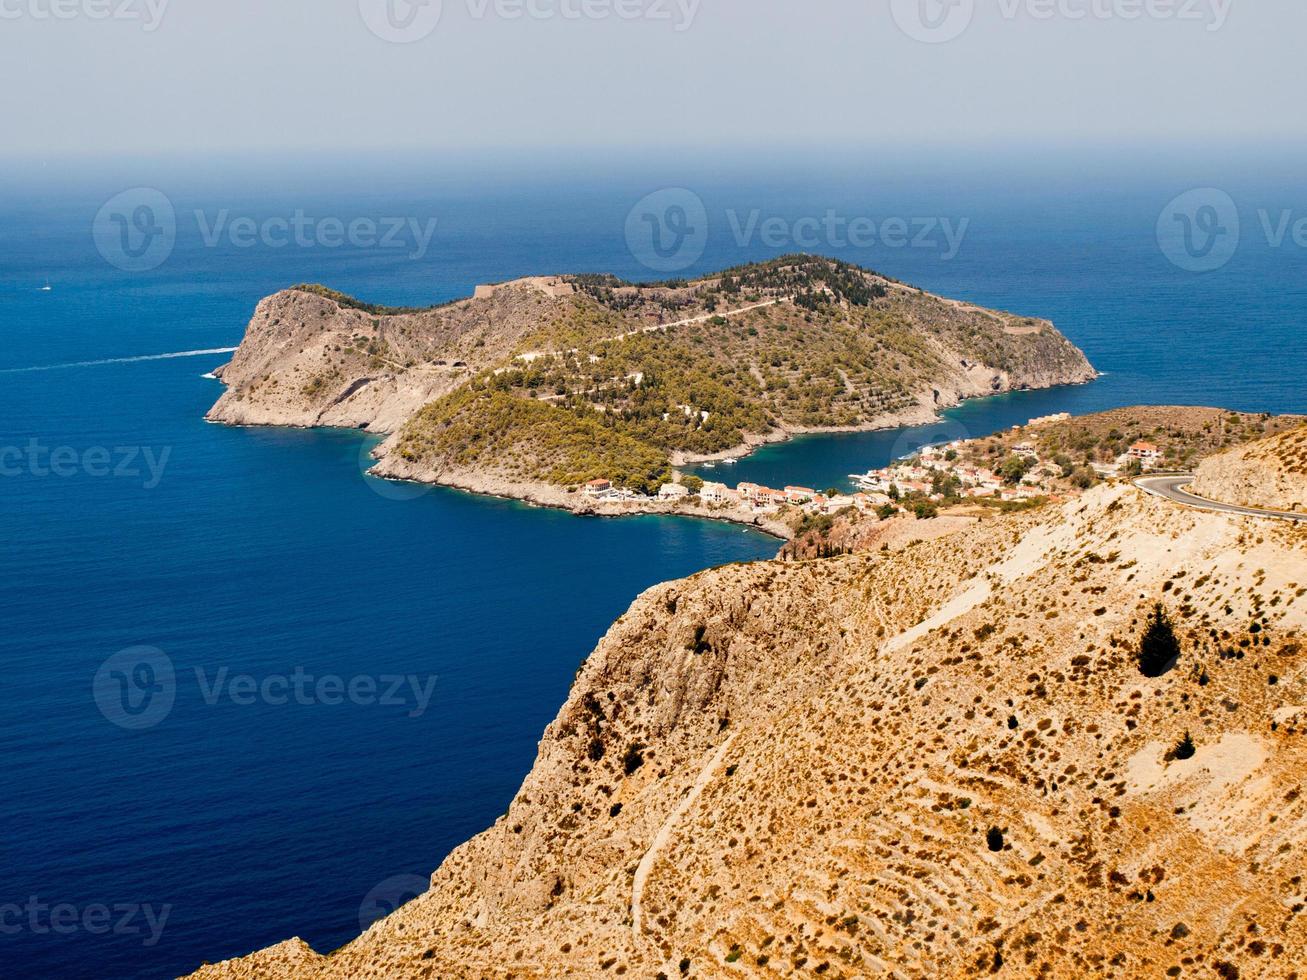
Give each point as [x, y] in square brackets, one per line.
[937, 760]
[312, 357]
[1270, 473]
[1183, 435]
[534, 387]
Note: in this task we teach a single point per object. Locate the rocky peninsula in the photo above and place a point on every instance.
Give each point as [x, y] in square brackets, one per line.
[535, 388]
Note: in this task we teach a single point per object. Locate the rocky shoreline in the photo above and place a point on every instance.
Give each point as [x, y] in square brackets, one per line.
[559, 498]
[920, 415]
[390, 467]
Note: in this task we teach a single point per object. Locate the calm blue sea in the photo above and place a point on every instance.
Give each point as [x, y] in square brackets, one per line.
[263, 554]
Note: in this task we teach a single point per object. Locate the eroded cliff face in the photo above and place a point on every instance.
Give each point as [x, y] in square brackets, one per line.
[1270, 473]
[936, 761]
[309, 360]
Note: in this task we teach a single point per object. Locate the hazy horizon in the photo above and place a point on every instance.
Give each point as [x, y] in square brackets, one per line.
[145, 77]
[1191, 162]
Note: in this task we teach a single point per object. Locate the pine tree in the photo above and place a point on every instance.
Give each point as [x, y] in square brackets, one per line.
[1186, 749]
[1159, 649]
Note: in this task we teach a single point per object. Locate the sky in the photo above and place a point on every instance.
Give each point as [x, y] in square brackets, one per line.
[104, 78]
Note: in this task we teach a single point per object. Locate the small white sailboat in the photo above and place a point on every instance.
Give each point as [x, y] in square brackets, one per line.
[47, 287]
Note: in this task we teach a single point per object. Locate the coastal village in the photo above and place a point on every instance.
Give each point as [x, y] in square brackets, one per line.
[933, 475]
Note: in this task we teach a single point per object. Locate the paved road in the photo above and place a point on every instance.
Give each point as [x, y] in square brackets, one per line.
[1171, 487]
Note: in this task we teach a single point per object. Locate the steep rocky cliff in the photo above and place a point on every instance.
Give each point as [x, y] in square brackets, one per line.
[938, 760]
[314, 358]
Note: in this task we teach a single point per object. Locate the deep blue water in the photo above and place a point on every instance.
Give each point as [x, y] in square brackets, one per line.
[263, 551]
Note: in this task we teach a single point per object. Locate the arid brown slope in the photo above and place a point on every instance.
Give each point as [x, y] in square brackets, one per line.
[1185, 435]
[1270, 473]
[940, 761]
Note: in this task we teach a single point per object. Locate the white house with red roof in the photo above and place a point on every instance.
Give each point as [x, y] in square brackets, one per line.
[1145, 452]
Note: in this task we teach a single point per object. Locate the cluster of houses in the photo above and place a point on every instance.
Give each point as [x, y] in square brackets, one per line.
[603, 491]
[919, 475]
[757, 498]
[763, 499]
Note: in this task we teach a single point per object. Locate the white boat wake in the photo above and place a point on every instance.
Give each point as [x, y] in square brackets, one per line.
[119, 360]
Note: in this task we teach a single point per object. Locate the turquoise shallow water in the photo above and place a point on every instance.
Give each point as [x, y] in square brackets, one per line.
[260, 552]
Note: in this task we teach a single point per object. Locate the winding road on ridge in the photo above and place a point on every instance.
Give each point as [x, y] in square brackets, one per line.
[535, 355]
[1171, 488]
